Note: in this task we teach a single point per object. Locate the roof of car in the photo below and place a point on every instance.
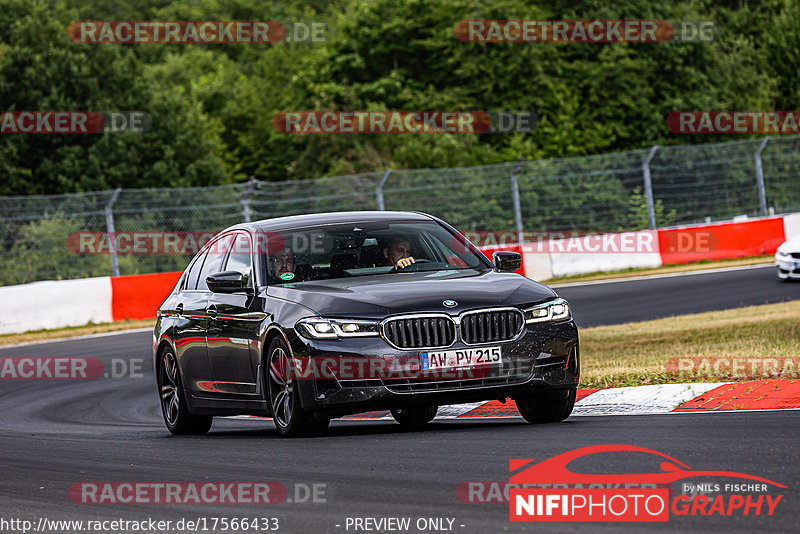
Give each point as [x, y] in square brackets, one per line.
[299, 221]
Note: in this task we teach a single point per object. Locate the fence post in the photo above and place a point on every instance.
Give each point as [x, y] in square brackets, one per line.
[245, 199]
[515, 198]
[648, 188]
[110, 230]
[762, 194]
[379, 189]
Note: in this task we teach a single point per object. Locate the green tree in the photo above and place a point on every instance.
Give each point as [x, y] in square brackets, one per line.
[57, 74]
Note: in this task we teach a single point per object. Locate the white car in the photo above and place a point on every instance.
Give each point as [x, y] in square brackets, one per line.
[787, 259]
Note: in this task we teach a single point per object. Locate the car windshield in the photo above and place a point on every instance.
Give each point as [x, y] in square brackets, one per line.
[360, 249]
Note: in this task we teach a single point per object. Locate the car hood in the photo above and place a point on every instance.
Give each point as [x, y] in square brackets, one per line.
[792, 245]
[389, 294]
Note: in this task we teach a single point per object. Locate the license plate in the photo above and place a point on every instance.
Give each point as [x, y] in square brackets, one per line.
[460, 358]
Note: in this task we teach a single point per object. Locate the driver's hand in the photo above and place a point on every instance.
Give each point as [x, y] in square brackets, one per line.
[403, 263]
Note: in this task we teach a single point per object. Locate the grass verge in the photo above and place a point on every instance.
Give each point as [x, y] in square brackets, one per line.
[764, 339]
[74, 331]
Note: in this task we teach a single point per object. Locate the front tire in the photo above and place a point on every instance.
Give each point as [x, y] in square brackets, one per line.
[547, 407]
[289, 417]
[174, 407]
[414, 416]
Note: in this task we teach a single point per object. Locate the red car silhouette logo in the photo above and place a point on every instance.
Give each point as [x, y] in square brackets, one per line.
[554, 470]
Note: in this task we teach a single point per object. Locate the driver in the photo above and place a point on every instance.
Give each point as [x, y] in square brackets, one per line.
[398, 253]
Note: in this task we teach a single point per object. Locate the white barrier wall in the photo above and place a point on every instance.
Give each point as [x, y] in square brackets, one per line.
[55, 304]
[601, 253]
[537, 264]
[791, 225]
[586, 262]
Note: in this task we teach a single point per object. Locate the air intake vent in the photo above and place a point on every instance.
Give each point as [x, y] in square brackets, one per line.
[420, 332]
[489, 326]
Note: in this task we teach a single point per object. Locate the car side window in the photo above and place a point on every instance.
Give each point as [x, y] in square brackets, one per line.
[194, 272]
[240, 259]
[215, 258]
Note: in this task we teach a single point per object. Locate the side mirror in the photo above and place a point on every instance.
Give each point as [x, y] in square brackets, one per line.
[226, 282]
[506, 261]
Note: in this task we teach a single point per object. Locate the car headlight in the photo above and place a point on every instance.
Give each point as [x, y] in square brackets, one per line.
[782, 254]
[555, 310]
[321, 328]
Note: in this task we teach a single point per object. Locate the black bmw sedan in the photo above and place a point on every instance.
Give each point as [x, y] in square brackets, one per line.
[312, 317]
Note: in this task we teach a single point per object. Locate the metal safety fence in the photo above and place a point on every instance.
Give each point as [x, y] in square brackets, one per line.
[647, 188]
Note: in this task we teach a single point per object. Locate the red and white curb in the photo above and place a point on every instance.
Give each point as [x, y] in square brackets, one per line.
[662, 398]
[638, 400]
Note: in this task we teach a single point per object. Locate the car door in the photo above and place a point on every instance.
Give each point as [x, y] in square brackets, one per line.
[190, 329]
[233, 331]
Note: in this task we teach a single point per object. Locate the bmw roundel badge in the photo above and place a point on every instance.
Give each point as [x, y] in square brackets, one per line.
[450, 303]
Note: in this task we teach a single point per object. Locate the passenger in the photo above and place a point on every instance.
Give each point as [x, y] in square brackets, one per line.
[280, 264]
[398, 253]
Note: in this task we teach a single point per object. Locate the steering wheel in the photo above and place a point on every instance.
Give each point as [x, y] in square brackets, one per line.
[410, 267]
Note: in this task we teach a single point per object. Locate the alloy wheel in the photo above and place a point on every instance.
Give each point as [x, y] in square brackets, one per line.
[282, 387]
[170, 389]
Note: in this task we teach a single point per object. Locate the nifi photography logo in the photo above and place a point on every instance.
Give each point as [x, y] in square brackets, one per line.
[548, 491]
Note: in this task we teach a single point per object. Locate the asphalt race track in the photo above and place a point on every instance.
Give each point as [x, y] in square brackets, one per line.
[56, 433]
[614, 302]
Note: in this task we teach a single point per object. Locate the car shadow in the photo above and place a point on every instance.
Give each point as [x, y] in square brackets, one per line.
[347, 428]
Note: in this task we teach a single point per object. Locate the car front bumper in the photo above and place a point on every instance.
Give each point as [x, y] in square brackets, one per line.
[787, 267]
[545, 356]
